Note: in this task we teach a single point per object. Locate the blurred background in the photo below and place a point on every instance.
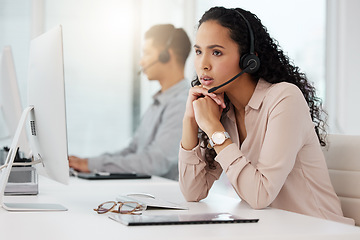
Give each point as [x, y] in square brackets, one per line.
[105, 97]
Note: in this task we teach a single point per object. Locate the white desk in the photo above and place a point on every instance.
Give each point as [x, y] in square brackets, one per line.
[81, 222]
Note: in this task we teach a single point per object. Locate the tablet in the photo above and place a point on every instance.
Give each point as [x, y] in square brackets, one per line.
[176, 219]
[104, 176]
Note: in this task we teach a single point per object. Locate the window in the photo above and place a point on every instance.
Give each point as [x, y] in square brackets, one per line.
[298, 26]
[102, 46]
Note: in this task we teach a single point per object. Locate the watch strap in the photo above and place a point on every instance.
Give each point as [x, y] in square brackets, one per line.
[212, 144]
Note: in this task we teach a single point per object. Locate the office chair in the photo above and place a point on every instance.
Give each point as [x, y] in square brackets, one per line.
[342, 156]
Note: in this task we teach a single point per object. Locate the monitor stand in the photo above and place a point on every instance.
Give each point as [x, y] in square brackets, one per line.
[5, 173]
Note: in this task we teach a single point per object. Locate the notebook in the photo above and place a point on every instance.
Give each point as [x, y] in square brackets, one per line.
[177, 219]
[104, 176]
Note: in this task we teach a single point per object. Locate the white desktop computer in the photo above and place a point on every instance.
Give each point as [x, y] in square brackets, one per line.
[45, 117]
[10, 102]
[23, 179]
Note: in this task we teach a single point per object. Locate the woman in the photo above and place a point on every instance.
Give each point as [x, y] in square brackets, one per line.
[264, 129]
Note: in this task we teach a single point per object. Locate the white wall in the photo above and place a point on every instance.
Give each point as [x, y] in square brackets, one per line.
[343, 63]
[95, 75]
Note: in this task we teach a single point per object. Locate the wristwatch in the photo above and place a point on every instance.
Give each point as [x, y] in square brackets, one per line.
[218, 138]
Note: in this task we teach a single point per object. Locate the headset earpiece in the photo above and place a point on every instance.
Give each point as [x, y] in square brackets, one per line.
[250, 62]
[164, 56]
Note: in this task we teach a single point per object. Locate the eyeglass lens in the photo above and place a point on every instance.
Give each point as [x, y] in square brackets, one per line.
[105, 207]
[129, 207]
[124, 207]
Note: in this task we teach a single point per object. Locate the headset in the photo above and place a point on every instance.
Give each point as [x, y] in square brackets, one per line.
[249, 62]
[164, 55]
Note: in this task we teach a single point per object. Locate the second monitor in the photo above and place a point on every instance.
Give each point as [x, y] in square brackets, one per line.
[45, 116]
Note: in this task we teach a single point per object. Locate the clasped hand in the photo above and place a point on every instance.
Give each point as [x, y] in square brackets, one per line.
[205, 108]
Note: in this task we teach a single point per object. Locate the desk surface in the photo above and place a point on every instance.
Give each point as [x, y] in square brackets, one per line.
[81, 222]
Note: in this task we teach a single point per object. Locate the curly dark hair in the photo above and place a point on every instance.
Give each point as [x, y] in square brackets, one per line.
[275, 66]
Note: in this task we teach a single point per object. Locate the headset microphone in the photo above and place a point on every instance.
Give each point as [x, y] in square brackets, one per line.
[229, 81]
[148, 66]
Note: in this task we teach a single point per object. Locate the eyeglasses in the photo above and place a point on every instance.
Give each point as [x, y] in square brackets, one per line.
[124, 207]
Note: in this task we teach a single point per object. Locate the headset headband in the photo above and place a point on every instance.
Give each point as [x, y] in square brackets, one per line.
[252, 47]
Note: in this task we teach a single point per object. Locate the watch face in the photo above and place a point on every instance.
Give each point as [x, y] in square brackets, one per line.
[218, 138]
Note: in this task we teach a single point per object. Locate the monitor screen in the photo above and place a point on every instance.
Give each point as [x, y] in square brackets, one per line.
[10, 103]
[46, 94]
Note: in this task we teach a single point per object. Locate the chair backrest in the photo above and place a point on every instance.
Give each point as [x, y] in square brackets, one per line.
[343, 160]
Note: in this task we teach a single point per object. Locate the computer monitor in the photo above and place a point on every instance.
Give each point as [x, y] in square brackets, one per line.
[45, 116]
[10, 103]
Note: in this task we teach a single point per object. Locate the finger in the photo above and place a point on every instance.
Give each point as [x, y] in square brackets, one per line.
[201, 91]
[219, 99]
[72, 164]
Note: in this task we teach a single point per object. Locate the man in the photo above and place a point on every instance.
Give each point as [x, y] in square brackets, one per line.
[154, 147]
